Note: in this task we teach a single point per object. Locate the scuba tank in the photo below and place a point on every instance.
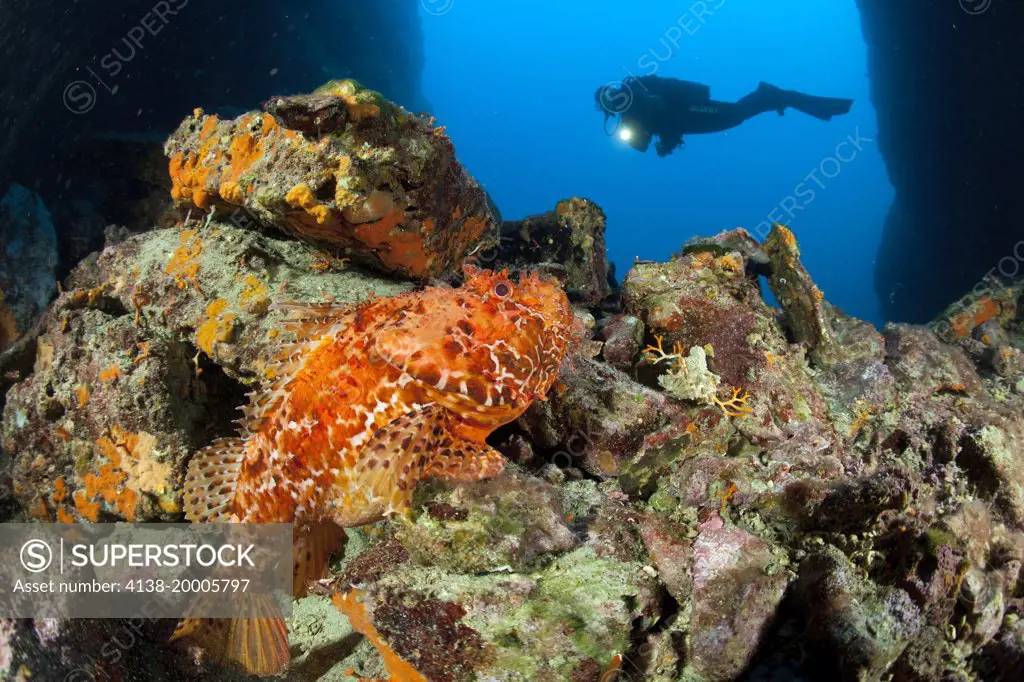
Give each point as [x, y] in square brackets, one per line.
[698, 93]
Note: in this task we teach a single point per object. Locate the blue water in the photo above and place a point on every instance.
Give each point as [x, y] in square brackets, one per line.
[514, 84]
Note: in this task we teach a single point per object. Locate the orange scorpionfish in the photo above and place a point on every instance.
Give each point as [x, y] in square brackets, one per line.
[368, 400]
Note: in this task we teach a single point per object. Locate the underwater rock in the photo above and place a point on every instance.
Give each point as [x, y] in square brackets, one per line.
[985, 327]
[599, 420]
[623, 338]
[670, 546]
[704, 475]
[102, 429]
[992, 347]
[701, 432]
[136, 364]
[510, 522]
[847, 505]
[861, 627]
[962, 319]
[570, 238]
[375, 184]
[1003, 658]
[215, 285]
[920, 361]
[28, 262]
[573, 616]
[949, 409]
[990, 457]
[78, 649]
[982, 595]
[803, 302]
[737, 586]
[714, 303]
[857, 386]
[313, 114]
[728, 584]
[738, 240]
[611, 524]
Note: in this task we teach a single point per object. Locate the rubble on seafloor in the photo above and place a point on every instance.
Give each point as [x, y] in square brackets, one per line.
[728, 490]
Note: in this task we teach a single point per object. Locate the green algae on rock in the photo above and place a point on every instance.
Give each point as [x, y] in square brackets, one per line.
[514, 627]
[512, 522]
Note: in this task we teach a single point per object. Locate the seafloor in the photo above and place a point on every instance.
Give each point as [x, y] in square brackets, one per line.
[714, 489]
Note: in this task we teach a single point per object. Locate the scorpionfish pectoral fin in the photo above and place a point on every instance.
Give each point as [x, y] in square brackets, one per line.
[260, 644]
[417, 445]
[311, 551]
[392, 461]
[464, 461]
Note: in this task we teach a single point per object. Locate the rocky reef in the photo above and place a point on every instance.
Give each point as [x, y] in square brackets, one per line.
[714, 488]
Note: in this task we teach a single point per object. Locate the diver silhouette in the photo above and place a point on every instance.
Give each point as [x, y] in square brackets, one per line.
[671, 108]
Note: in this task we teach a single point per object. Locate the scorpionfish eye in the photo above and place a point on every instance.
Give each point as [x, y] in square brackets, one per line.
[502, 289]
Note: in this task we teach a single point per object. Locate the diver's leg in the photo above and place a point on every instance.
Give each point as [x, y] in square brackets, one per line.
[771, 98]
[765, 98]
[712, 117]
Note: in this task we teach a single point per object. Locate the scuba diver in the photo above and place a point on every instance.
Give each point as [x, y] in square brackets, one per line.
[671, 108]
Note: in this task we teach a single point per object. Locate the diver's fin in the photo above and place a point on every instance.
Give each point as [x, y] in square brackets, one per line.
[774, 98]
[258, 645]
[821, 108]
[310, 553]
[464, 461]
[211, 479]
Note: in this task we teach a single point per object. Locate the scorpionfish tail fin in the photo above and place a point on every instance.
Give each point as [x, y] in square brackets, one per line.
[257, 645]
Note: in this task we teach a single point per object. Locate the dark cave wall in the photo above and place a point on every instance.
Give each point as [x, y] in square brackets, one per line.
[81, 121]
[948, 86]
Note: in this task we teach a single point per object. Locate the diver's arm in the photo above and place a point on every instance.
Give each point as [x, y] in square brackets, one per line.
[668, 143]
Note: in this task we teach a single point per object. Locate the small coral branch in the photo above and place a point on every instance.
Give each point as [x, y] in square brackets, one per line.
[688, 376]
[861, 417]
[322, 261]
[726, 496]
[737, 405]
[656, 354]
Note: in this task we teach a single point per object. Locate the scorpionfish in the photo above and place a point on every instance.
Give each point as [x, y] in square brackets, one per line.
[368, 400]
